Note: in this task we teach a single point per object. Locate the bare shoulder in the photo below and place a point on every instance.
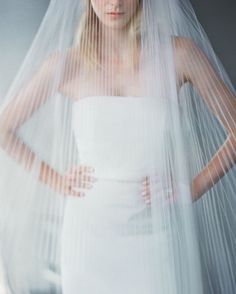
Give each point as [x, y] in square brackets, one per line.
[72, 57]
[67, 59]
[185, 52]
[186, 49]
[183, 45]
[61, 65]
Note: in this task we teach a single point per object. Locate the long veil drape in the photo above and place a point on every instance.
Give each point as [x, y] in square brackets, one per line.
[200, 235]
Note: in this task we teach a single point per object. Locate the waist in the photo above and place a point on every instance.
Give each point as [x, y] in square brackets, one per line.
[125, 173]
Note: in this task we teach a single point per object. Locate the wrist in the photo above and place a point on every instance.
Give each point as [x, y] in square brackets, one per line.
[199, 186]
[50, 176]
[35, 167]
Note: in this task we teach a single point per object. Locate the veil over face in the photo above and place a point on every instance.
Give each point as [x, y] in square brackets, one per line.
[155, 103]
[107, 11]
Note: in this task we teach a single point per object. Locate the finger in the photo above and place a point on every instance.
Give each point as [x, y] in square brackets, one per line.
[76, 194]
[68, 191]
[145, 179]
[84, 168]
[74, 168]
[83, 185]
[146, 193]
[149, 185]
[80, 177]
[153, 179]
[80, 170]
[83, 178]
[145, 187]
[146, 184]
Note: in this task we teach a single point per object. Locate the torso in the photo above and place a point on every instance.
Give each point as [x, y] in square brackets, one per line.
[120, 81]
[123, 83]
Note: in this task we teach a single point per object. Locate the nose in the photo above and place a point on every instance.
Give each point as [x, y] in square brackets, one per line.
[116, 4]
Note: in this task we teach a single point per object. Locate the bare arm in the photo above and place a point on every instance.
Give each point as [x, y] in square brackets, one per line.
[193, 66]
[21, 108]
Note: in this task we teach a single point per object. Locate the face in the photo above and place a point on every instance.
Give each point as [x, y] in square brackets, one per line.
[115, 14]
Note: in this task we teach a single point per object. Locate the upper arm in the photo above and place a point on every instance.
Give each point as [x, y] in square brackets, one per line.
[193, 65]
[35, 92]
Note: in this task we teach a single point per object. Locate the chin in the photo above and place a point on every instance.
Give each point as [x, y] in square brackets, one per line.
[116, 26]
[119, 25]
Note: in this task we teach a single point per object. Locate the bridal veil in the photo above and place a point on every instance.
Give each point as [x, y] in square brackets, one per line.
[201, 233]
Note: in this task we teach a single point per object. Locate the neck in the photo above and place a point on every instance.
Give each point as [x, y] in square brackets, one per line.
[115, 42]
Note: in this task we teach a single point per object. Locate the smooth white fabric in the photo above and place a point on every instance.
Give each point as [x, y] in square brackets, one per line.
[107, 241]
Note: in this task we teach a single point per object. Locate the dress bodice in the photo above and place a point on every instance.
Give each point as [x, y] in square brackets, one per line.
[121, 137]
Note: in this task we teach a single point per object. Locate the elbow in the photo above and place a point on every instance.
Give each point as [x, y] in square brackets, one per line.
[232, 137]
[6, 134]
[8, 123]
[232, 145]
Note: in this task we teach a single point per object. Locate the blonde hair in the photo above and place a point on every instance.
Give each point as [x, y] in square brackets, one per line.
[87, 36]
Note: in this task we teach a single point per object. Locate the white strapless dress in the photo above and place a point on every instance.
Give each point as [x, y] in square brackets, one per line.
[107, 242]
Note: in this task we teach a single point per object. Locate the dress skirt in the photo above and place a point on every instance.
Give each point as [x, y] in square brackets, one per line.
[108, 245]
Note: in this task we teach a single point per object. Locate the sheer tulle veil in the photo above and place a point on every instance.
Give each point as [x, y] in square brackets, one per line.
[199, 126]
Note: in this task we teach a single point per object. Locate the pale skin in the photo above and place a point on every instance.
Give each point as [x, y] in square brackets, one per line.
[189, 61]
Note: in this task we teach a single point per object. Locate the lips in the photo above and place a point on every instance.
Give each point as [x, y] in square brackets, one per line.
[115, 13]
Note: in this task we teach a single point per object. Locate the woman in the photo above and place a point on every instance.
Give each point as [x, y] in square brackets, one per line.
[130, 200]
